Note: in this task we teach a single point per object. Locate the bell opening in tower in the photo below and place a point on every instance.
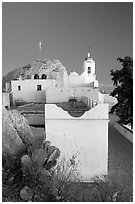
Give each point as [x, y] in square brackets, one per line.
[89, 70]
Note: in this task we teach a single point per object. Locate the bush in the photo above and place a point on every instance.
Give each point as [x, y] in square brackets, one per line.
[65, 176]
[109, 190]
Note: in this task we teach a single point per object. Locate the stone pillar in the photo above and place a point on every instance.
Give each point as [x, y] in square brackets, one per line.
[83, 138]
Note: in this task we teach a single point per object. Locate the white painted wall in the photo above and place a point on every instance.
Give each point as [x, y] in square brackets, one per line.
[96, 83]
[86, 137]
[89, 63]
[79, 80]
[101, 97]
[6, 100]
[8, 87]
[83, 80]
[124, 131]
[128, 127]
[59, 95]
[65, 88]
[109, 99]
[106, 98]
[29, 91]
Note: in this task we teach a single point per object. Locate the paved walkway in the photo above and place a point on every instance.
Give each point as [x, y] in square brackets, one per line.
[120, 153]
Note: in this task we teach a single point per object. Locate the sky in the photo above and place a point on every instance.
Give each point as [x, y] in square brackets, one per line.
[66, 29]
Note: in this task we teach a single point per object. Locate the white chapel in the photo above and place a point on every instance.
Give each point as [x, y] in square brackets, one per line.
[58, 85]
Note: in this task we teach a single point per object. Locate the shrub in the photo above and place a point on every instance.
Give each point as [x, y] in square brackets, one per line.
[65, 176]
[109, 190]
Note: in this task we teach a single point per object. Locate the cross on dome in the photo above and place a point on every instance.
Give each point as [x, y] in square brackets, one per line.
[89, 55]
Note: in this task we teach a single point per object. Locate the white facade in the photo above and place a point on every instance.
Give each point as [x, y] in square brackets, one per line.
[31, 90]
[106, 98]
[84, 137]
[34, 89]
[59, 95]
[89, 65]
[87, 78]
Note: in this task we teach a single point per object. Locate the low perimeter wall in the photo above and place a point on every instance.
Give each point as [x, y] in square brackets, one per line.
[83, 141]
[35, 118]
[6, 100]
[124, 131]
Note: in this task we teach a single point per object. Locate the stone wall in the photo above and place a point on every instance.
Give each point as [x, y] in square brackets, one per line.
[35, 118]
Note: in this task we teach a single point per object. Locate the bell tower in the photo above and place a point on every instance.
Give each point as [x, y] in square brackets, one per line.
[89, 65]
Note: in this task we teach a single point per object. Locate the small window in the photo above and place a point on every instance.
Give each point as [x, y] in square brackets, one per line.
[38, 87]
[19, 88]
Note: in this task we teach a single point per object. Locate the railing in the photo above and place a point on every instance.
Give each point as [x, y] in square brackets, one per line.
[90, 103]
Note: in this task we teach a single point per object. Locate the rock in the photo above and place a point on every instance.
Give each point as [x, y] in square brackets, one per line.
[21, 126]
[26, 194]
[46, 66]
[11, 142]
[16, 134]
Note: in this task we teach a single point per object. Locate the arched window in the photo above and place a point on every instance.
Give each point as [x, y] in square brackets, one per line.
[89, 70]
[44, 76]
[36, 76]
[19, 88]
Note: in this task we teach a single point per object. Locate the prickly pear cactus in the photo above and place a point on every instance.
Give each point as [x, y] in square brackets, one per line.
[43, 158]
[53, 153]
[39, 157]
[38, 164]
[26, 194]
[27, 164]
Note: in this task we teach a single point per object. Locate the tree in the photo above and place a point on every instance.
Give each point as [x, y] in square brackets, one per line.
[123, 80]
